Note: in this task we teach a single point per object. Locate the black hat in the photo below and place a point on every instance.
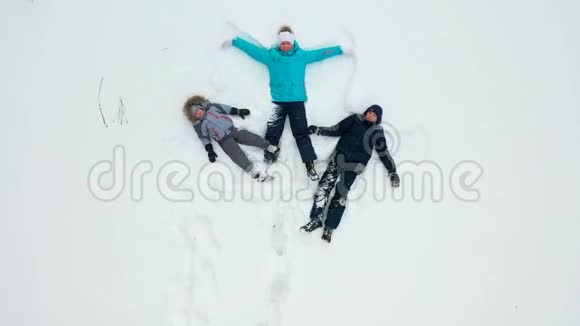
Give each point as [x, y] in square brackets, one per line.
[376, 109]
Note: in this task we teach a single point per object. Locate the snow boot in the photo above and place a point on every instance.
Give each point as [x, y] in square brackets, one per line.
[327, 234]
[271, 153]
[260, 176]
[311, 171]
[268, 157]
[314, 224]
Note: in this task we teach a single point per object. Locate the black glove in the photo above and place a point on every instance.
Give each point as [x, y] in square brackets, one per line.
[241, 112]
[210, 153]
[395, 181]
[312, 130]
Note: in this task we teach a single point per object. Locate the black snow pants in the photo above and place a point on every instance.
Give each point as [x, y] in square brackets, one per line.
[296, 112]
[335, 176]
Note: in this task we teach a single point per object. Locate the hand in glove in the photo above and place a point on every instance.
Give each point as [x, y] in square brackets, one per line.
[395, 181]
[226, 44]
[312, 130]
[210, 153]
[348, 53]
[241, 112]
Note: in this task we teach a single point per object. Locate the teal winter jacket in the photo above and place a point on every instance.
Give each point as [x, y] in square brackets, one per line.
[287, 69]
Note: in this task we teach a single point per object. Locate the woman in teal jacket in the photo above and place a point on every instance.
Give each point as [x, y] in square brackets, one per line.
[286, 63]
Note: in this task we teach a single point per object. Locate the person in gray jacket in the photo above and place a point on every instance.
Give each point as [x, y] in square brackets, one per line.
[212, 121]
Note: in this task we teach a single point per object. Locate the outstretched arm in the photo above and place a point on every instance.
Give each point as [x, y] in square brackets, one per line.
[334, 131]
[226, 109]
[202, 134]
[256, 52]
[321, 54]
[383, 151]
[205, 140]
[223, 108]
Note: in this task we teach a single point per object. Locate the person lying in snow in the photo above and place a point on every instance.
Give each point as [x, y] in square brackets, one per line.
[286, 62]
[211, 122]
[359, 134]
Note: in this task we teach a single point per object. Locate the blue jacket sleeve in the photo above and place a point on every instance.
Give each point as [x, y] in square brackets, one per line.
[257, 53]
[321, 54]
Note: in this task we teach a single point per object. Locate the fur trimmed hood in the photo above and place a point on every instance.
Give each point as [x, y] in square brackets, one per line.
[196, 100]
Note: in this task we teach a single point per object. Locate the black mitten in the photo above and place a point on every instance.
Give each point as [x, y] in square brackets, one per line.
[210, 153]
[395, 181]
[241, 112]
[312, 130]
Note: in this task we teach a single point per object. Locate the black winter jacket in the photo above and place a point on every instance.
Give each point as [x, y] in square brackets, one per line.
[358, 138]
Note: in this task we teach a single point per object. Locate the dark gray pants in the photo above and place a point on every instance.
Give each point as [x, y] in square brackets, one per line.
[231, 146]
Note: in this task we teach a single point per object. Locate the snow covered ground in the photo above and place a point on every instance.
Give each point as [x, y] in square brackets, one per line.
[494, 83]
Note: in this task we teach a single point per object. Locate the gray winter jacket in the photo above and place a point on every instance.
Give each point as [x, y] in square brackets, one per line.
[215, 123]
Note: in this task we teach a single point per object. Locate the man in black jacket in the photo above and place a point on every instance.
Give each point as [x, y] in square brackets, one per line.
[359, 134]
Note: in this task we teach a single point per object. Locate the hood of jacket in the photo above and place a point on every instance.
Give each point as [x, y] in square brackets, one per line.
[377, 110]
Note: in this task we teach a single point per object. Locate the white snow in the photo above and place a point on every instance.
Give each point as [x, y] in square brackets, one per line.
[494, 82]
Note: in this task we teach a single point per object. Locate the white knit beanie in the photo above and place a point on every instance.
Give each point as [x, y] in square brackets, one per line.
[285, 37]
